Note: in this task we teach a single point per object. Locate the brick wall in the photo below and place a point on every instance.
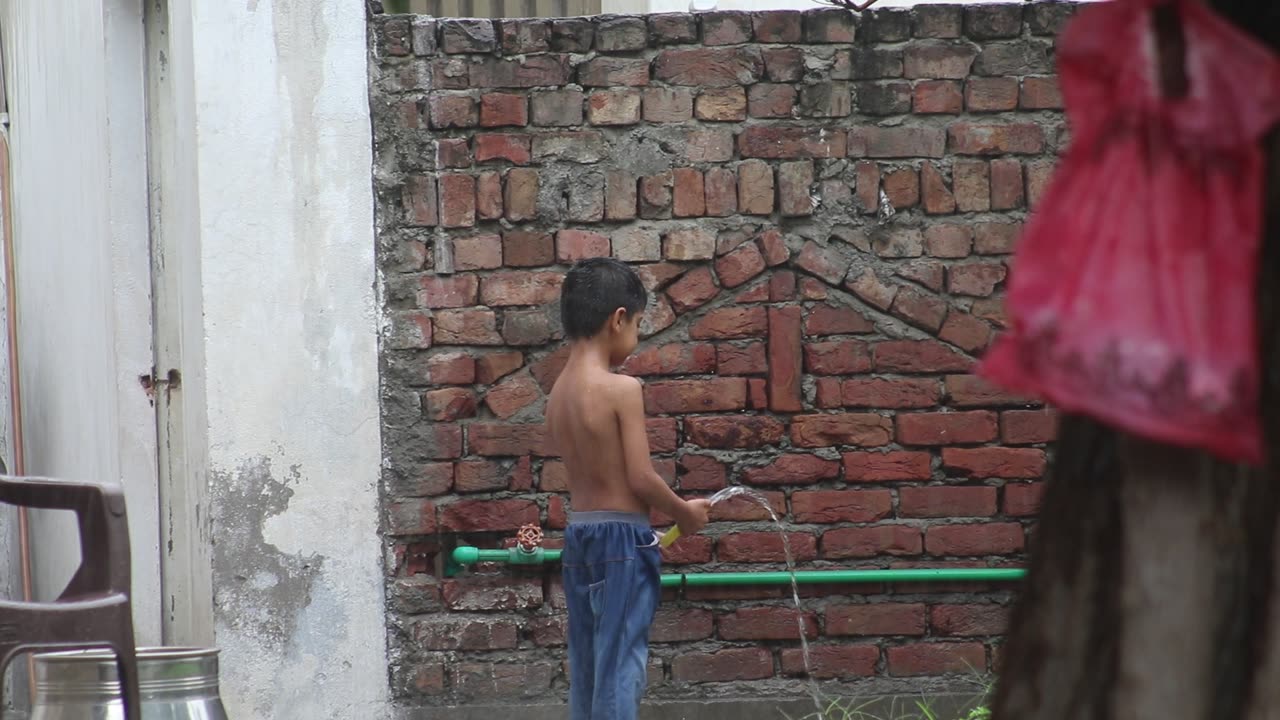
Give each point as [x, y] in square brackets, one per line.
[803, 339]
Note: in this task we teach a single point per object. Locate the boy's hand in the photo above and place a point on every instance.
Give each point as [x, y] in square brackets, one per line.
[695, 516]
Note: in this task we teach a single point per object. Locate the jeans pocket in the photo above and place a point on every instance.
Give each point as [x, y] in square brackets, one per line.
[656, 539]
[595, 595]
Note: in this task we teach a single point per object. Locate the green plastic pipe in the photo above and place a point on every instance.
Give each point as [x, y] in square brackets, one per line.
[539, 556]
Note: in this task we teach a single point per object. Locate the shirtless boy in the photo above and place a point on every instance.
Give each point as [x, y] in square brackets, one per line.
[610, 560]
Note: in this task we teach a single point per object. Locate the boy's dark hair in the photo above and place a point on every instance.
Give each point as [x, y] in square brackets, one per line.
[593, 289]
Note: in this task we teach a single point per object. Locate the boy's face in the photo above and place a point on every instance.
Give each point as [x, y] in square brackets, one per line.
[624, 333]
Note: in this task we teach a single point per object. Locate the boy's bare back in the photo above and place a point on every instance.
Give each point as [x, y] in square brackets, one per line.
[589, 412]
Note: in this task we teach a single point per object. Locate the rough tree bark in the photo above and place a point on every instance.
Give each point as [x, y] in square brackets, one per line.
[1154, 584]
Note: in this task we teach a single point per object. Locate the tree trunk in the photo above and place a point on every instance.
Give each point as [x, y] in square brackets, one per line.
[1154, 583]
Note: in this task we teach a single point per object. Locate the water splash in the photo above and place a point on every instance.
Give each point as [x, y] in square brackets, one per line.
[759, 499]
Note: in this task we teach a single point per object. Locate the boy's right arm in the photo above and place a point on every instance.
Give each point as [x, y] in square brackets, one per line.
[644, 481]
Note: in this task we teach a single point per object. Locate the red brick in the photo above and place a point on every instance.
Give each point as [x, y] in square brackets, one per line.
[938, 199]
[708, 146]
[837, 357]
[995, 462]
[767, 623]
[687, 396]
[721, 188]
[996, 238]
[709, 67]
[771, 101]
[527, 249]
[946, 428]
[917, 356]
[474, 680]
[701, 472]
[726, 28]
[924, 310]
[663, 435]
[813, 289]
[667, 105]
[689, 199]
[1006, 184]
[874, 619]
[784, 359]
[574, 245]
[688, 550]
[906, 141]
[557, 108]
[457, 200]
[520, 287]
[1038, 175]
[681, 625]
[897, 243]
[515, 149]
[835, 320]
[512, 396]
[614, 108]
[972, 182]
[655, 196]
[948, 240]
[446, 633]
[723, 666]
[938, 60]
[765, 547]
[974, 540]
[966, 138]
[946, 502]
[526, 72]
[937, 97]
[411, 517]
[586, 200]
[449, 404]
[613, 71]
[827, 263]
[727, 432]
[453, 111]
[969, 620]
[834, 506]
[521, 198]
[976, 279]
[554, 477]
[965, 331]
[448, 291]
[974, 391]
[1028, 427]
[860, 429]
[829, 662]
[421, 201]
[487, 515]
[466, 327]
[903, 188]
[620, 195]
[869, 287]
[886, 466]
[729, 323]
[755, 188]
[782, 286]
[795, 181]
[890, 392]
[489, 196]
[1041, 93]
[480, 476]
[991, 94]
[792, 469]
[501, 439]
[1022, 499]
[746, 360]
[673, 359]
[791, 143]
[739, 266]
[695, 289]
[551, 631]
[777, 27]
[868, 542]
[721, 105]
[936, 659]
[867, 186]
[503, 109]
[451, 368]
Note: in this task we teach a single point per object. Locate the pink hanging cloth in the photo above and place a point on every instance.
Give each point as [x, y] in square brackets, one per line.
[1133, 293]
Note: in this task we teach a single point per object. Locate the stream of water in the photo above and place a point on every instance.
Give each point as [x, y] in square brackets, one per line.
[745, 492]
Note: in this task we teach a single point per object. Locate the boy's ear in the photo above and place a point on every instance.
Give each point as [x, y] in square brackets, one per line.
[618, 318]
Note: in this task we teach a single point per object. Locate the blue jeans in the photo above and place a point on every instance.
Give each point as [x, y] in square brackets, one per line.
[611, 584]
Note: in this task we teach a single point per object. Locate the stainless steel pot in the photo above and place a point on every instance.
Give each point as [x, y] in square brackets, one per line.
[175, 684]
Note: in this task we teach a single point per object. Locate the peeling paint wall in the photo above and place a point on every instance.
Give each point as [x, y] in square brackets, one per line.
[286, 226]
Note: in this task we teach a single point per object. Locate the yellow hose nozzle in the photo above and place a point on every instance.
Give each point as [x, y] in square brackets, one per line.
[670, 536]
